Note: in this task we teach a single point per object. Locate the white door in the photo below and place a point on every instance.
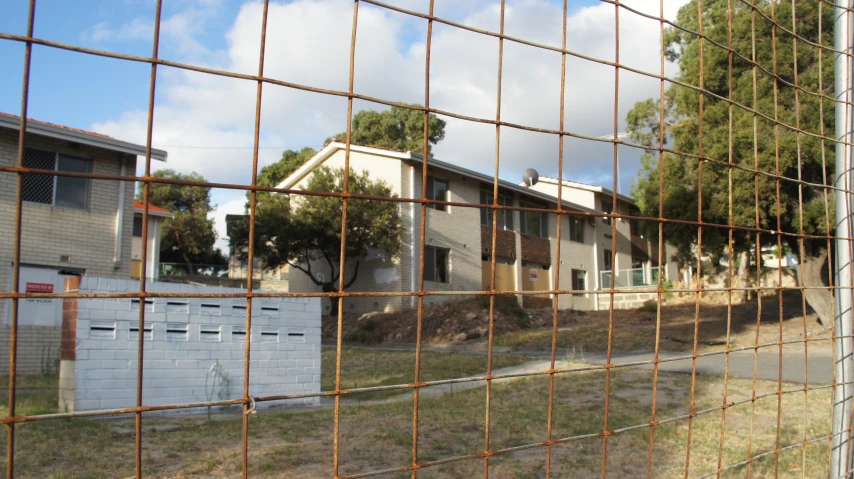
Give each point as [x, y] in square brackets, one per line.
[40, 311]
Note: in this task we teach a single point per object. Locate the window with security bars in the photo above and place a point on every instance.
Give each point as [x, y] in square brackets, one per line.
[62, 191]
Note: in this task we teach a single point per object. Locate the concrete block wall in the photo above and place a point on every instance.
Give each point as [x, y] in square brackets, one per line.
[184, 339]
[625, 300]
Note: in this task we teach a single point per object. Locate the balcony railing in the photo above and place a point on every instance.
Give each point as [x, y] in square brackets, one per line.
[629, 278]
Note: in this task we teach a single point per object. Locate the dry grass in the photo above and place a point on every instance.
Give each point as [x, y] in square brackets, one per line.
[298, 444]
[363, 368]
[634, 330]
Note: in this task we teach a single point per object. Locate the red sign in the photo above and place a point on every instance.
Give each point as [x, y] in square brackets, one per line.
[39, 288]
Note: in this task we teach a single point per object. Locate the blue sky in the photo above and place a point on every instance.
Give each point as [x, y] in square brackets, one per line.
[205, 122]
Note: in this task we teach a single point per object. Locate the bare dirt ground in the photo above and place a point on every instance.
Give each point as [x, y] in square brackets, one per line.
[763, 321]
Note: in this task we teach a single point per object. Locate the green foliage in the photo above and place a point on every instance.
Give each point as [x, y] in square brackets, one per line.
[728, 131]
[272, 175]
[650, 306]
[307, 230]
[190, 235]
[396, 129]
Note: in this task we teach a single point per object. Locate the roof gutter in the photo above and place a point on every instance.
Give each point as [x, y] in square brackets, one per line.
[50, 131]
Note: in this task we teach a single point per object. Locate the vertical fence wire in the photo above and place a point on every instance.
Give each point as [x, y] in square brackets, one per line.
[560, 211]
[16, 261]
[559, 218]
[146, 190]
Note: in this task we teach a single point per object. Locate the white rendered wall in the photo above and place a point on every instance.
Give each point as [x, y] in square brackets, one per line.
[188, 336]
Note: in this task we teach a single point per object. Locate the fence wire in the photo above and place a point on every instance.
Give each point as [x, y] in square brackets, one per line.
[758, 232]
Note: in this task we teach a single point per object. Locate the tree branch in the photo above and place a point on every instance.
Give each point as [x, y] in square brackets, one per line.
[355, 274]
[307, 271]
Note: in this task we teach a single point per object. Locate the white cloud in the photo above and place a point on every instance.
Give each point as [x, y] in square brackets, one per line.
[137, 29]
[308, 42]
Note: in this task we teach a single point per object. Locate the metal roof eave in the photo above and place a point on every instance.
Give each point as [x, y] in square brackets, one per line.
[501, 183]
[51, 131]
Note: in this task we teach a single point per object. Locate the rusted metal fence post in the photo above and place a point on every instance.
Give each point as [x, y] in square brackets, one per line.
[844, 361]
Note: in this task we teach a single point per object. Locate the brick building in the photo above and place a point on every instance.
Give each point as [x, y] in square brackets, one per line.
[70, 226]
[458, 238]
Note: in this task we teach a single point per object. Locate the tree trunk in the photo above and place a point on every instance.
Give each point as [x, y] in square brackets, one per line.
[333, 301]
[818, 299]
[743, 275]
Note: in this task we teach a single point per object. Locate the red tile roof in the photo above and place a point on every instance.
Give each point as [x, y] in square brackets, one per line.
[151, 208]
[78, 130]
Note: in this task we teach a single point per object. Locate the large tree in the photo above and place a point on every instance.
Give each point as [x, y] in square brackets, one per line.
[731, 133]
[397, 129]
[189, 236]
[305, 231]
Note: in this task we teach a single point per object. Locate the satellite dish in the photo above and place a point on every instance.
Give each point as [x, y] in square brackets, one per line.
[530, 177]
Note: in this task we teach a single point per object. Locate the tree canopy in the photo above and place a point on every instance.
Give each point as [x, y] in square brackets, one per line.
[305, 231]
[273, 174]
[728, 130]
[397, 129]
[189, 236]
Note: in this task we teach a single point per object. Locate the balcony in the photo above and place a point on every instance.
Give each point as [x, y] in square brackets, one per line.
[629, 278]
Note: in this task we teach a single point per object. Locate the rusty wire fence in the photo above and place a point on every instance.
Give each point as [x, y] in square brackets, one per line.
[764, 73]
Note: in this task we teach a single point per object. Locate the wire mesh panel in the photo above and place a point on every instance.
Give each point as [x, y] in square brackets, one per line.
[38, 188]
[697, 327]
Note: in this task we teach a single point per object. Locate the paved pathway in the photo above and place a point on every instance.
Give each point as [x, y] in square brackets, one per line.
[741, 363]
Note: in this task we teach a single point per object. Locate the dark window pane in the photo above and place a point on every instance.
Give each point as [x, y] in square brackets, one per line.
[576, 230]
[38, 188]
[137, 225]
[437, 190]
[486, 213]
[429, 264]
[441, 265]
[578, 276]
[508, 215]
[72, 192]
[440, 193]
[607, 208]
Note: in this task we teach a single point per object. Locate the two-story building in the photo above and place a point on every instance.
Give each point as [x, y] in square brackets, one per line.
[636, 262]
[69, 225]
[458, 237]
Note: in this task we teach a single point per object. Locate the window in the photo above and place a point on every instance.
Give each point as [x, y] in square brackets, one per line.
[505, 217]
[608, 208]
[607, 260]
[579, 280]
[137, 225]
[576, 229]
[437, 190]
[435, 264]
[63, 191]
[534, 224]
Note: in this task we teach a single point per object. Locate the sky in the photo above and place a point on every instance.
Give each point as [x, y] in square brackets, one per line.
[206, 123]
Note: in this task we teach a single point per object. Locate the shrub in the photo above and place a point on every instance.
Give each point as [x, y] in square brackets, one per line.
[650, 306]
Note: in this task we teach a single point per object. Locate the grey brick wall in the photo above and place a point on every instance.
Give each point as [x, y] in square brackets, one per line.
[87, 237]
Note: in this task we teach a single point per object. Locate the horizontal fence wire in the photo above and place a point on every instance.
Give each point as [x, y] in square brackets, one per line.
[783, 29]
